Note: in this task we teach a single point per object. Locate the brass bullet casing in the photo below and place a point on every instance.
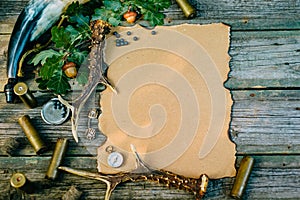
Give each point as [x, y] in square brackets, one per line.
[22, 90]
[242, 177]
[57, 157]
[19, 181]
[187, 8]
[32, 134]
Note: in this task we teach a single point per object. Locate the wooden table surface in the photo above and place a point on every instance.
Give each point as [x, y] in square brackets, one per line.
[264, 81]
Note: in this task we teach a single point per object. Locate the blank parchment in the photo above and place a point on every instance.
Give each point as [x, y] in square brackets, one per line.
[171, 103]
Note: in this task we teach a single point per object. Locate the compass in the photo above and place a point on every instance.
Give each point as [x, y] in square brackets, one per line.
[115, 159]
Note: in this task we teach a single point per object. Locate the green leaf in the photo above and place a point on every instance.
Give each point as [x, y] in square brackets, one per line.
[114, 21]
[100, 13]
[51, 65]
[73, 9]
[148, 6]
[79, 15]
[61, 37]
[80, 20]
[110, 12]
[113, 5]
[154, 18]
[73, 32]
[160, 4]
[42, 84]
[76, 34]
[79, 33]
[59, 83]
[78, 56]
[72, 37]
[43, 55]
[82, 76]
[87, 9]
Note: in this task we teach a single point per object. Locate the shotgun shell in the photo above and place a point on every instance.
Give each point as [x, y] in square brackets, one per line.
[19, 181]
[187, 8]
[242, 177]
[57, 157]
[22, 90]
[32, 134]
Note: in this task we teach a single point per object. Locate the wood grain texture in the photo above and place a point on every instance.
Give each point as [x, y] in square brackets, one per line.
[259, 59]
[269, 174]
[263, 122]
[264, 82]
[241, 15]
[266, 121]
[264, 59]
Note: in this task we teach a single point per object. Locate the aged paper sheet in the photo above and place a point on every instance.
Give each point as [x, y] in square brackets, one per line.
[171, 103]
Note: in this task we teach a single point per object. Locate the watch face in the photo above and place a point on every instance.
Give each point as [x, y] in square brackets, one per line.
[115, 159]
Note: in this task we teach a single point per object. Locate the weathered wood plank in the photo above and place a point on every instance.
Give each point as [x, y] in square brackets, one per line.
[262, 59]
[266, 122]
[10, 128]
[269, 174]
[265, 50]
[263, 122]
[241, 15]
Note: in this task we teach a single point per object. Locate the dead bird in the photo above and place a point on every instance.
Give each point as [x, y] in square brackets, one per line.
[34, 20]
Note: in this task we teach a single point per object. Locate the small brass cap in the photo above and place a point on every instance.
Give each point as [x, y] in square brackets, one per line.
[18, 180]
[20, 89]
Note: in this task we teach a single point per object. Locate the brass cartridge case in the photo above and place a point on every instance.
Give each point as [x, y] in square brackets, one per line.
[57, 157]
[31, 133]
[22, 90]
[19, 181]
[187, 8]
[242, 177]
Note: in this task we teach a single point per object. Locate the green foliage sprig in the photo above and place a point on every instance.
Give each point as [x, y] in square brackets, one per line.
[150, 10]
[70, 41]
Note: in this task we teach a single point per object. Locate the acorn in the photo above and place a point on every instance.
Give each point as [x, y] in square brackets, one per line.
[130, 16]
[70, 69]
